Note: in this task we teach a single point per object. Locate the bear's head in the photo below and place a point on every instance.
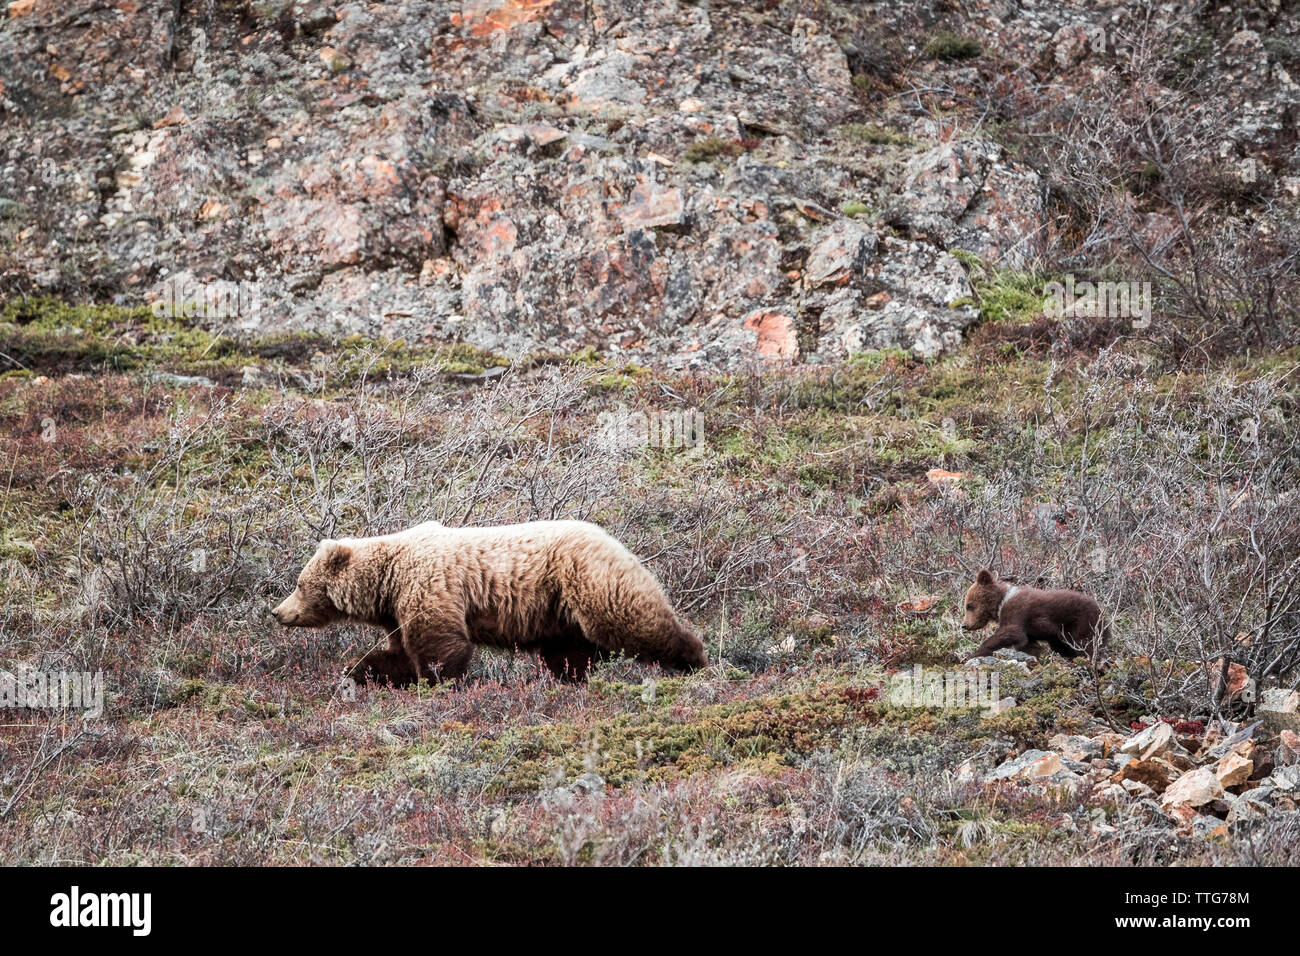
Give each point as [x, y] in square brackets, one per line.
[983, 600]
[316, 601]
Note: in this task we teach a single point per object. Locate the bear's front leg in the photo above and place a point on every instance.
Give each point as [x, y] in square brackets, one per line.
[1006, 635]
[384, 665]
[437, 650]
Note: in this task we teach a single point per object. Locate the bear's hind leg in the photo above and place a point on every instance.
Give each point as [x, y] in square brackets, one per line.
[641, 626]
[1065, 644]
[569, 656]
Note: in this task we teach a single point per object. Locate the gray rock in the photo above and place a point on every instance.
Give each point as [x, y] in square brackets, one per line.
[977, 663]
[1077, 747]
[1031, 764]
[1287, 779]
[588, 783]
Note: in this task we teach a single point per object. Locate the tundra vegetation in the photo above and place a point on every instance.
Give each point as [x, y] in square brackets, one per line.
[178, 495]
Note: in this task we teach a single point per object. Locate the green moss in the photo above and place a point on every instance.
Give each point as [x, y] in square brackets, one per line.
[952, 46]
[16, 549]
[874, 135]
[711, 148]
[759, 732]
[852, 209]
[615, 376]
[1003, 295]
[874, 359]
[53, 336]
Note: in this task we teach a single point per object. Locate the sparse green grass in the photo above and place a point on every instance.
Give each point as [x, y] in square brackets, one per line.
[952, 46]
[1003, 295]
[874, 135]
[711, 148]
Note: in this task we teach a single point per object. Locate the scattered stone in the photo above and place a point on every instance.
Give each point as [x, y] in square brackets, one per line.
[169, 378]
[1279, 710]
[589, 782]
[1077, 747]
[937, 476]
[1287, 778]
[921, 604]
[1029, 765]
[1008, 654]
[1234, 770]
[1193, 789]
[777, 340]
[1151, 742]
[1288, 747]
[979, 663]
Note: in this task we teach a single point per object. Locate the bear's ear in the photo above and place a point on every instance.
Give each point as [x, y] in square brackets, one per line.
[335, 556]
[984, 577]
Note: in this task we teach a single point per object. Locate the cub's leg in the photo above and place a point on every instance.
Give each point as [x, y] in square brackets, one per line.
[1006, 635]
[1066, 644]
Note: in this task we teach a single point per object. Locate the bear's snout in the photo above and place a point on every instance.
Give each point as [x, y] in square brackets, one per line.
[285, 612]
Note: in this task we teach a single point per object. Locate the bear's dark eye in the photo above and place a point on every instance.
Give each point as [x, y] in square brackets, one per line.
[970, 607]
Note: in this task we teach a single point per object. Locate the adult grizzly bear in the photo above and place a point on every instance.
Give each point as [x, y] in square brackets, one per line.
[1069, 621]
[563, 589]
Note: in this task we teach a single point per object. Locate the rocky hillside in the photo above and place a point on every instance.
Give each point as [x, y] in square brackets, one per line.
[683, 182]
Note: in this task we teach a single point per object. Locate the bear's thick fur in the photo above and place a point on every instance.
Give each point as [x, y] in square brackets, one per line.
[1069, 621]
[563, 589]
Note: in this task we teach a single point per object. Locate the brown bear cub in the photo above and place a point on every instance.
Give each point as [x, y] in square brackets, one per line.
[565, 590]
[1069, 621]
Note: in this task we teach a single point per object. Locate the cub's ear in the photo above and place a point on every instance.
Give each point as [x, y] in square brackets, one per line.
[984, 577]
[335, 556]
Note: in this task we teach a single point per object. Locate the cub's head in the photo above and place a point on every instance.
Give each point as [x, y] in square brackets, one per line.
[983, 598]
[315, 601]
